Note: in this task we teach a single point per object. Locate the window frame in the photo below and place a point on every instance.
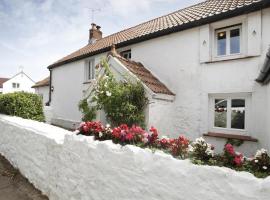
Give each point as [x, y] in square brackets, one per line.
[89, 77]
[126, 52]
[228, 36]
[229, 98]
[14, 85]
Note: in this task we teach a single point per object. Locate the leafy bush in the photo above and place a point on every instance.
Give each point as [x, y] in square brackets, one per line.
[201, 150]
[22, 104]
[260, 164]
[232, 158]
[122, 101]
[89, 113]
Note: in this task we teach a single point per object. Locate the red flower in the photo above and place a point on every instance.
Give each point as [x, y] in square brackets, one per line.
[129, 136]
[124, 127]
[229, 149]
[238, 160]
[153, 130]
[116, 133]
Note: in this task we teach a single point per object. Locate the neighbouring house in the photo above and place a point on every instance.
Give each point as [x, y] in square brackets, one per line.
[2, 80]
[204, 67]
[18, 83]
[42, 89]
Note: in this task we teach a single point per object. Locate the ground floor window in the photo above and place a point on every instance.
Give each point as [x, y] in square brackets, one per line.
[229, 112]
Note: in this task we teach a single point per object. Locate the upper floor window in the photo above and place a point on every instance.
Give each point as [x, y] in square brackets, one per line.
[90, 69]
[126, 54]
[228, 41]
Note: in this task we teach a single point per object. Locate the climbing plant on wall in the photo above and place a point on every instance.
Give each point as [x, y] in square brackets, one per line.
[122, 101]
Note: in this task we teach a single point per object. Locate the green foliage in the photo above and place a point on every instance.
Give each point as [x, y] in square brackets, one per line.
[22, 104]
[89, 113]
[122, 101]
[235, 142]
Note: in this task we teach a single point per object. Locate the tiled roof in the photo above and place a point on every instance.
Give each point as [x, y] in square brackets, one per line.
[196, 15]
[42, 83]
[145, 76]
[2, 80]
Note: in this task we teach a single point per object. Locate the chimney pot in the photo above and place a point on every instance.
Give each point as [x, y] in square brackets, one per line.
[94, 33]
[113, 50]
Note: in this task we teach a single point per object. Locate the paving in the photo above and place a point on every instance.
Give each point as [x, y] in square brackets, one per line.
[13, 186]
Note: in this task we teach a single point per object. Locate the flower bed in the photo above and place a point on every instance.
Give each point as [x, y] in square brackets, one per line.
[199, 151]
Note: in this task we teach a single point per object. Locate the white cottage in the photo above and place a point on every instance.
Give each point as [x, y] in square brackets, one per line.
[19, 82]
[204, 67]
[42, 89]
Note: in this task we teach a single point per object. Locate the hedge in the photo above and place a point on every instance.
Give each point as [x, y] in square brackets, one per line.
[22, 104]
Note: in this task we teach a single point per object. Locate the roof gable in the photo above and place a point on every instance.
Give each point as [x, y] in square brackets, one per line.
[42, 83]
[2, 80]
[144, 75]
[196, 15]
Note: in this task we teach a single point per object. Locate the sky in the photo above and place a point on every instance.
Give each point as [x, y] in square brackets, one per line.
[36, 33]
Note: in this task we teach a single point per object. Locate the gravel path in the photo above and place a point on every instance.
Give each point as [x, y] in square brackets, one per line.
[13, 186]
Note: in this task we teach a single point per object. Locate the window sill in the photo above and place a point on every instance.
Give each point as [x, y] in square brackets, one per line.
[89, 82]
[231, 136]
[228, 58]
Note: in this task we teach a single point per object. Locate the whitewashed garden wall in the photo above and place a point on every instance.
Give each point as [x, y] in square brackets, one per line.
[65, 166]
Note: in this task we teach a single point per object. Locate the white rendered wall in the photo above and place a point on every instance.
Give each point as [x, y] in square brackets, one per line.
[25, 84]
[178, 65]
[44, 93]
[66, 166]
[69, 88]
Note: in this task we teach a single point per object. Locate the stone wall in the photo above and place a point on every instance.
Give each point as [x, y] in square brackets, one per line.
[65, 166]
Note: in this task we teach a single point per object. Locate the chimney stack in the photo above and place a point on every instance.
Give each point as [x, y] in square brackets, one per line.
[94, 33]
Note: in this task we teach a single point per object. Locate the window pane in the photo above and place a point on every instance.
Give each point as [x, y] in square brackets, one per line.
[91, 70]
[221, 43]
[221, 113]
[235, 41]
[238, 113]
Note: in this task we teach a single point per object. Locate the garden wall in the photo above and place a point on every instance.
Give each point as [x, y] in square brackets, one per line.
[65, 166]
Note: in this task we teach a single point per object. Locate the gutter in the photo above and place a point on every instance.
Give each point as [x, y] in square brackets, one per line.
[264, 76]
[229, 14]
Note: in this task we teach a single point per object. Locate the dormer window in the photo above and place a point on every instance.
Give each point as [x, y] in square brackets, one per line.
[126, 54]
[228, 41]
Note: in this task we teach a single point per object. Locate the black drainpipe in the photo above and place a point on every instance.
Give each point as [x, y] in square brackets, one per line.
[50, 89]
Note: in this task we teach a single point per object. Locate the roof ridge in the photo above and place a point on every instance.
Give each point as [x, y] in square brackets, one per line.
[185, 18]
[140, 24]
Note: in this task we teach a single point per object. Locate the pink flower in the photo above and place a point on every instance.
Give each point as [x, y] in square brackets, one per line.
[229, 148]
[85, 128]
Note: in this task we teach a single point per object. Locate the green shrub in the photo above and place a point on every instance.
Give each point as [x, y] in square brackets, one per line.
[89, 113]
[122, 101]
[22, 104]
